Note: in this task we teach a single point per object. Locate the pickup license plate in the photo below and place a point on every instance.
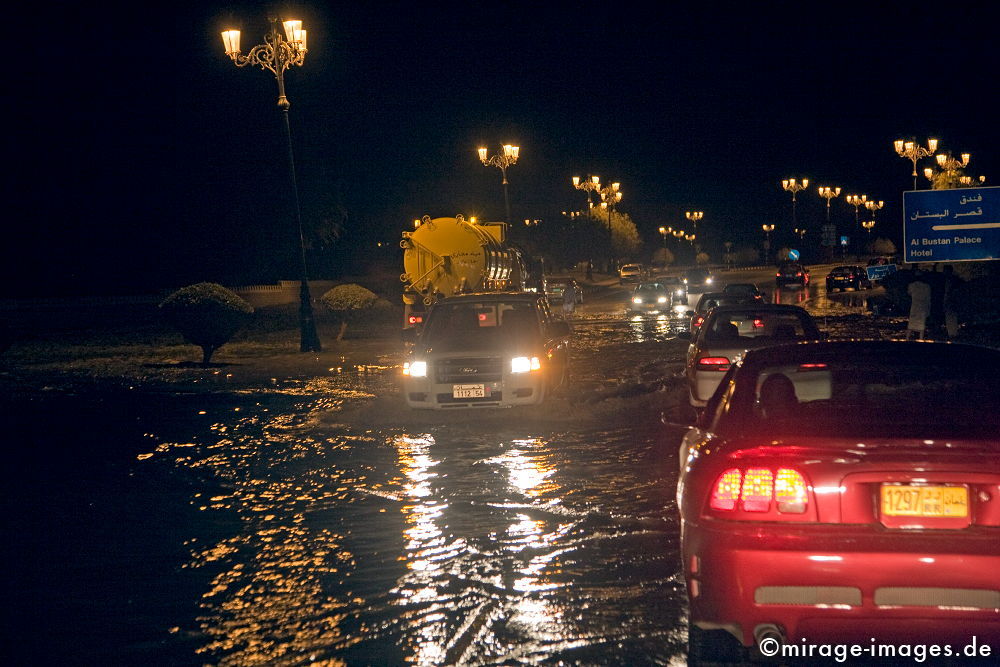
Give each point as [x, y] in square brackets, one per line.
[468, 391]
[925, 501]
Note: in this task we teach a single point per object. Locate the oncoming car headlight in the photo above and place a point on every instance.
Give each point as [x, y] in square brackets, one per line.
[680, 291]
[708, 281]
[524, 364]
[637, 299]
[661, 299]
[416, 369]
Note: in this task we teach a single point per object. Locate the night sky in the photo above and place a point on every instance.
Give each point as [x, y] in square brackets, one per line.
[143, 158]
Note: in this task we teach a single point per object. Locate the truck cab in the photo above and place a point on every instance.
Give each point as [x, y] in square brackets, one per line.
[500, 349]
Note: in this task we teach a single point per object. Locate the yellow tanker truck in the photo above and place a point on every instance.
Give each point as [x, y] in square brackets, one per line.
[443, 257]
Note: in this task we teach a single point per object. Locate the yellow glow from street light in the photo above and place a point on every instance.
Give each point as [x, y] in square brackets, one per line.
[932, 144]
[899, 145]
[482, 154]
[291, 26]
[576, 181]
[596, 180]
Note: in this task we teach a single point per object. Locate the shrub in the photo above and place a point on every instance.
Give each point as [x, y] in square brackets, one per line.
[207, 315]
[353, 303]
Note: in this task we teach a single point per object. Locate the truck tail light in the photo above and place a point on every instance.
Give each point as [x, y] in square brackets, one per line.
[713, 364]
[753, 490]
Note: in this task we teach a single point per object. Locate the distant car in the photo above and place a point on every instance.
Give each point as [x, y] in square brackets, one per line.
[650, 297]
[729, 331]
[791, 273]
[842, 277]
[710, 300]
[698, 280]
[630, 273]
[557, 286]
[749, 290]
[678, 290]
[844, 491]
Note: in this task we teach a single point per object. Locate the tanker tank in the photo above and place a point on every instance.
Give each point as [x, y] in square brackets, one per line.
[447, 256]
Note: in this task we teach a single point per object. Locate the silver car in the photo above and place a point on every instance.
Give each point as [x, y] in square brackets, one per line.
[729, 331]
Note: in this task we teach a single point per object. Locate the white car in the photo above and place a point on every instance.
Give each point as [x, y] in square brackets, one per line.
[630, 273]
[729, 331]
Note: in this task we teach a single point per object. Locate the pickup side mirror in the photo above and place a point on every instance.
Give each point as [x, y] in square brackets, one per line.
[409, 335]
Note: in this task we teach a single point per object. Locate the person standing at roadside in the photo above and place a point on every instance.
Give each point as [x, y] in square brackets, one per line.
[951, 284]
[569, 299]
[920, 307]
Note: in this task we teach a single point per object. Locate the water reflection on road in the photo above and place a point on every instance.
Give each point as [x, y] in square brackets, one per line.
[459, 543]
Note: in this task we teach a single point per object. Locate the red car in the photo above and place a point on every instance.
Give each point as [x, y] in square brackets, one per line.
[839, 491]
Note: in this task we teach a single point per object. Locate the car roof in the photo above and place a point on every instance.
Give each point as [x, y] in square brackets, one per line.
[938, 353]
[760, 307]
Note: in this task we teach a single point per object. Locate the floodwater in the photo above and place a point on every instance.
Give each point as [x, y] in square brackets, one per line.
[321, 522]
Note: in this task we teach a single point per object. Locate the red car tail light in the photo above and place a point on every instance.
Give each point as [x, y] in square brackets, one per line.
[798, 274]
[753, 490]
[727, 490]
[713, 364]
[790, 491]
[757, 489]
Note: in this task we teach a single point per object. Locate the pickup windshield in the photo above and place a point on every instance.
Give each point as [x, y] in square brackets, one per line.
[467, 326]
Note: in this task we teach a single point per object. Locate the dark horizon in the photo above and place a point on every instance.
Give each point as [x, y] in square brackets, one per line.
[167, 165]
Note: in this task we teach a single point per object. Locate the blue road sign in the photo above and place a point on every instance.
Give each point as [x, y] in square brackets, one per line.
[960, 225]
[793, 255]
[844, 240]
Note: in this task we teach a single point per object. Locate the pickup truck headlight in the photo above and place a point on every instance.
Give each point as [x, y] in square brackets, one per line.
[415, 369]
[524, 364]
[661, 299]
[637, 299]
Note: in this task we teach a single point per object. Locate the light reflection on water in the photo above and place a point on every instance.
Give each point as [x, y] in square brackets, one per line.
[324, 544]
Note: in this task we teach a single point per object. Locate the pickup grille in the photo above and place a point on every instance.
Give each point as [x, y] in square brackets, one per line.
[468, 370]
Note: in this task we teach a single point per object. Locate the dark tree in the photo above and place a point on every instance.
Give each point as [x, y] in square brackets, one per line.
[207, 315]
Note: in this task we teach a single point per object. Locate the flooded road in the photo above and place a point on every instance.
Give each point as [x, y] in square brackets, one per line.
[320, 522]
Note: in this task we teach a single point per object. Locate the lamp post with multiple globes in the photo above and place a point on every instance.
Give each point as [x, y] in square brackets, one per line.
[912, 152]
[767, 239]
[278, 53]
[793, 186]
[502, 161]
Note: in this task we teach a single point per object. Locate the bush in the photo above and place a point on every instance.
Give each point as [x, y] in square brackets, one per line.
[207, 315]
[353, 303]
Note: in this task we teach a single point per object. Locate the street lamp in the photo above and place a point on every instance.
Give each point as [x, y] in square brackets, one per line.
[912, 152]
[873, 206]
[610, 196]
[857, 201]
[502, 160]
[590, 185]
[828, 194]
[868, 224]
[767, 239]
[276, 54]
[690, 238]
[663, 235]
[790, 185]
[694, 217]
[801, 233]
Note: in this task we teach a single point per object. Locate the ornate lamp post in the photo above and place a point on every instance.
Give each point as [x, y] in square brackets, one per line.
[800, 232]
[502, 160]
[610, 196]
[873, 206]
[969, 181]
[857, 201]
[912, 152]
[694, 217]
[767, 239]
[790, 185]
[591, 185]
[828, 194]
[663, 234]
[276, 54]
[868, 224]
